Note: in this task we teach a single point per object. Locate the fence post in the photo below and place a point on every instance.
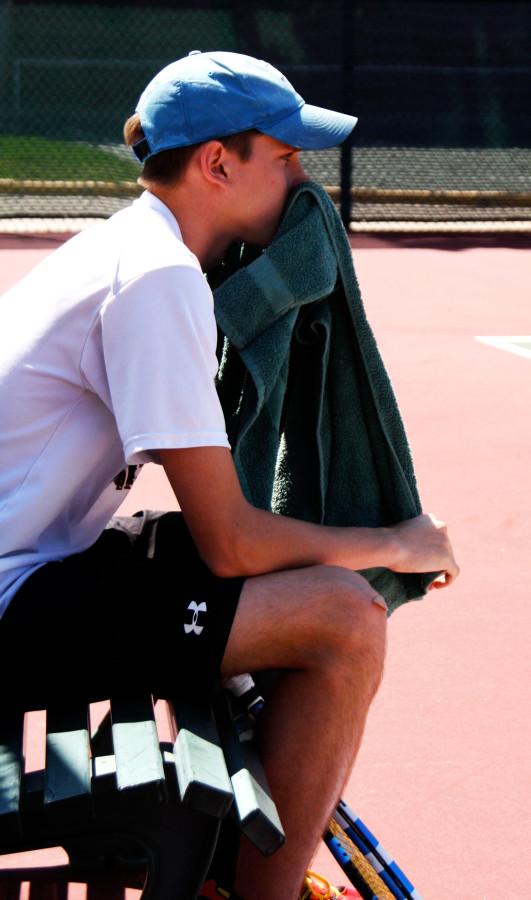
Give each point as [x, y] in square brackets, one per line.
[5, 57]
[347, 70]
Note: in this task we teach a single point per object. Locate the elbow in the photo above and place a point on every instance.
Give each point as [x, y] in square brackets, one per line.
[224, 568]
[230, 558]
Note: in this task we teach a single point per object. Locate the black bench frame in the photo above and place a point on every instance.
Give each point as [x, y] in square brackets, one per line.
[123, 803]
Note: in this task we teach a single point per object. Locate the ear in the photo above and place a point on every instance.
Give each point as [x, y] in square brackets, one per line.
[215, 163]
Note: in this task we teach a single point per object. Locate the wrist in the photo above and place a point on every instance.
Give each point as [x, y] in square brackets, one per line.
[368, 548]
[390, 548]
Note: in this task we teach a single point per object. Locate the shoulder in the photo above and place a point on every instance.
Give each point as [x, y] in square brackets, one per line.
[149, 241]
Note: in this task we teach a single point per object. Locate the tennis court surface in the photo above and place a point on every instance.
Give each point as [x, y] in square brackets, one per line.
[444, 772]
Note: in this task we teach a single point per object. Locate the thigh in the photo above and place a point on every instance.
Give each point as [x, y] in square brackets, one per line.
[292, 618]
[137, 611]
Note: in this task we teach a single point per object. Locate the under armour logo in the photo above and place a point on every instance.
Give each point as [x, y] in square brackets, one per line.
[196, 609]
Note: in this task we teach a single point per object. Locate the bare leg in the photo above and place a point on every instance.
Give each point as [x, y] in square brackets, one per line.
[322, 625]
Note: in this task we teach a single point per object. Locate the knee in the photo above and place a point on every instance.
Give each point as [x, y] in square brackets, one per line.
[356, 625]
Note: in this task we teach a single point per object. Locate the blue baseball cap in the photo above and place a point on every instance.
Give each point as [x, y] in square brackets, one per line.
[210, 95]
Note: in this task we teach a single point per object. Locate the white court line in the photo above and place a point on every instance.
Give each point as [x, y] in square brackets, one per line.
[513, 344]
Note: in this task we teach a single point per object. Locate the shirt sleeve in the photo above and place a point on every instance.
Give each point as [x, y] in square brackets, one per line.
[159, 344]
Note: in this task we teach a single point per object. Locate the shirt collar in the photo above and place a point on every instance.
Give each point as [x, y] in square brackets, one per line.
[150, 200]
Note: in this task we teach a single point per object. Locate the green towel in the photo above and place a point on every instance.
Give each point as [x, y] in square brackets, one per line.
[311, 416]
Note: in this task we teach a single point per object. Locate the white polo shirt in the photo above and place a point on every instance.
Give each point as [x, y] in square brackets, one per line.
[107, 352]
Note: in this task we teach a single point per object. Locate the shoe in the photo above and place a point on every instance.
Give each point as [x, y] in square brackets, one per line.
[315, 887]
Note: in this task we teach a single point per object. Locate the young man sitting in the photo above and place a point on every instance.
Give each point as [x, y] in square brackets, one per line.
[107, 361]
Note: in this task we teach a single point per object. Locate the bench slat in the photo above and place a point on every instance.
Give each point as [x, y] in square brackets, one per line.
[101, 738]
[11, 768]
[136, 746]
[259, 819]
[202, 776]
[68, 767]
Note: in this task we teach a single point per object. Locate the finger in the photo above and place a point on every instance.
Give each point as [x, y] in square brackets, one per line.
[452, 573]
[448, 579]
[437, 585]
[436, 521]
[441, 582]
[379, 601]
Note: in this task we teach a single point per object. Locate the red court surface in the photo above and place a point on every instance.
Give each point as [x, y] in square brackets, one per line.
[444, 774]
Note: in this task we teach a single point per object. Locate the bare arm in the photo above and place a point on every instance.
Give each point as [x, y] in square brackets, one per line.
[234, 538]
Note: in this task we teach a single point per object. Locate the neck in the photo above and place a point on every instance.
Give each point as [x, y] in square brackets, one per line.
[198, 223]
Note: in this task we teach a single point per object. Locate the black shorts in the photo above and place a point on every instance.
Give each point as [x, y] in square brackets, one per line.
[138, 610]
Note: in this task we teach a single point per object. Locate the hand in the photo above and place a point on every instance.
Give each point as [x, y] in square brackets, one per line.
[423, 545]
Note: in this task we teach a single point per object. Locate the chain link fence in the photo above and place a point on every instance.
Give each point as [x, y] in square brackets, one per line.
[441, 88]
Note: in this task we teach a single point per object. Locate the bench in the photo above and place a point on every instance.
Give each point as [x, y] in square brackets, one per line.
[127, 807]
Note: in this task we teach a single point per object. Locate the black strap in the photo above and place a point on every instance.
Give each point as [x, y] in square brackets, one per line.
[141, 149]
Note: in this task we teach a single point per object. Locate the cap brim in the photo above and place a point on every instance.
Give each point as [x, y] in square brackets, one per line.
[312, 128]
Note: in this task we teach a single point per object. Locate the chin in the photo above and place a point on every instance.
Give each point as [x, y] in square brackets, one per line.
[264, 240]
[256, 240]
[262, 237]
